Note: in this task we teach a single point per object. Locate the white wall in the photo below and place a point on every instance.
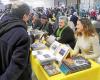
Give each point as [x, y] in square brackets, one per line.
[86, 4]
[5, 1]
[49, 3]
[40, 3]
[58, 3]
[2, 7]
[35, 3]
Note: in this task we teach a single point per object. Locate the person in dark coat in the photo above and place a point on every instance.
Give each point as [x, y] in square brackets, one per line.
[74, 18]
[64, 34]
[45, 25]
[15, 44]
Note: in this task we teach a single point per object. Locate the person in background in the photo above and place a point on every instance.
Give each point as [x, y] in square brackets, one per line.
[74, 18]
[36, 23]
[6, 11]
[64, 34]
[87, 40]
[45, 25]
[71, 25]
[93, 14]
[15, 44]
[97, 24]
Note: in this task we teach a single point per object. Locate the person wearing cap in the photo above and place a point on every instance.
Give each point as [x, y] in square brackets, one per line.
[45, 25]
[64, 34]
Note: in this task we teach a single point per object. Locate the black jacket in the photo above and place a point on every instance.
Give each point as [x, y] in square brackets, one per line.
[67, 37]
[47, 27]
[74, 19]
[14, 53]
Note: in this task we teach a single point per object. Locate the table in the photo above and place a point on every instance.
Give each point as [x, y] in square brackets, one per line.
[92, 73]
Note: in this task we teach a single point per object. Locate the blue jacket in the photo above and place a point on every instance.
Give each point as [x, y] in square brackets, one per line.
[14, 53]
[74, 19]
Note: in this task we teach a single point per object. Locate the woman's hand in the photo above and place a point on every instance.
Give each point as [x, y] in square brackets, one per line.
[72, 53]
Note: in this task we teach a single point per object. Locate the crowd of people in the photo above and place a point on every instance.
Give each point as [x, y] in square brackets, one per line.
[64, 23]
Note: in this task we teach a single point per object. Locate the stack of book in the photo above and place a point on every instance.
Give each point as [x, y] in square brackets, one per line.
[74, 64]
[51, 69]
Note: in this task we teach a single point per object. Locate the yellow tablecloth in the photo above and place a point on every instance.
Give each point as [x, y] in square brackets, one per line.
[90, 74]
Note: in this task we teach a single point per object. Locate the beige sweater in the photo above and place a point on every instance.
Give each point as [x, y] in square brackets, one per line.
[90, 47]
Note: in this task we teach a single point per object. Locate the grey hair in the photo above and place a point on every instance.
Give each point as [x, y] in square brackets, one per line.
[19, 9]
[16, 5]
[64, 18]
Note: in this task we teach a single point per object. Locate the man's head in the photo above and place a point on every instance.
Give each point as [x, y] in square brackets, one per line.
[44, 19]
[63, 20]
[34, 17]
[21, 10]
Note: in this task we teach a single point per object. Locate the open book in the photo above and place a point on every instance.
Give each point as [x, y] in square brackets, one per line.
[56, 52]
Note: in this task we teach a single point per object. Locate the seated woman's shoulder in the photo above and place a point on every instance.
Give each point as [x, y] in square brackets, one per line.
[94, 37]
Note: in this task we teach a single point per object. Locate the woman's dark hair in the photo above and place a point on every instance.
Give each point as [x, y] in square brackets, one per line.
[19, 10]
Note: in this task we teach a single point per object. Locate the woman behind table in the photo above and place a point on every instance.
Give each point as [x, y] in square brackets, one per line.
[87, 40]
[64, 34]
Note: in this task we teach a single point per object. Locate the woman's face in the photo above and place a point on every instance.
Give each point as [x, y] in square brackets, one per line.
[61, 23]
[79, 26]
